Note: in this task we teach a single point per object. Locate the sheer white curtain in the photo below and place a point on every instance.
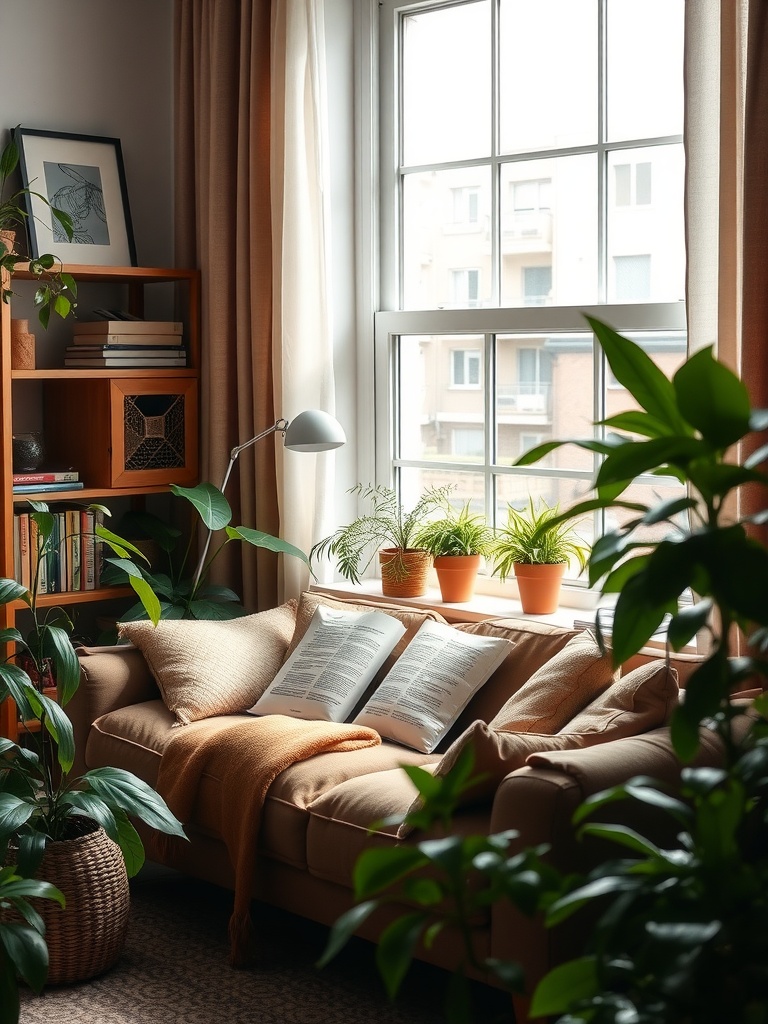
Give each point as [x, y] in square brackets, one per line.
[301, 336]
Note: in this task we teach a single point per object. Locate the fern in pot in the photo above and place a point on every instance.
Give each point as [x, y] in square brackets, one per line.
[457, 539]
[390, 530]
[73, 832]
[537, 548]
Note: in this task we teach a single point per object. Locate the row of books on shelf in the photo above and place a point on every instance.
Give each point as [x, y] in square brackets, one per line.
[47, 481]
[126, 343]
[70, 560]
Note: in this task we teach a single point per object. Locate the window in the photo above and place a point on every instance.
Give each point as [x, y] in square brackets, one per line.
[633, 184]
[466, 287]
[537, 285]
[465, 369]
[466, 205]
[546, 116]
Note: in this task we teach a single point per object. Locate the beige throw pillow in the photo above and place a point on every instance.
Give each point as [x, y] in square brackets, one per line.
[642, 700]
[207, 668]
[561, 688]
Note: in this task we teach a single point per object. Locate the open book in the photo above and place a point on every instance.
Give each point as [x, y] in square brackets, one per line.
[329, 671]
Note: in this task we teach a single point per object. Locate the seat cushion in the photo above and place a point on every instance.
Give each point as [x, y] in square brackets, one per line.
[134, 738]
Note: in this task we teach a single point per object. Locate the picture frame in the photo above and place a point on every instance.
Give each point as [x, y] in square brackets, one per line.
[84, 176]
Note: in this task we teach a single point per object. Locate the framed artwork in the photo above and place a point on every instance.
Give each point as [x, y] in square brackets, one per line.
[82, 175]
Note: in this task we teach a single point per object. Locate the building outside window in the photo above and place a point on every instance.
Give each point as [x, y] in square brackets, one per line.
[582, 200]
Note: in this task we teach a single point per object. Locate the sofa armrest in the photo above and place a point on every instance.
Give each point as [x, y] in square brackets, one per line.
[539, 801]
[110, 678]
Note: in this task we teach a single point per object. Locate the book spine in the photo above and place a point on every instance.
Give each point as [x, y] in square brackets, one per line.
[87, 555]
[72, 519]
[74, 485]
[52, 557]
[36, 563]
[98, 548]
[16, 549]
[24, 549]
[60, 476]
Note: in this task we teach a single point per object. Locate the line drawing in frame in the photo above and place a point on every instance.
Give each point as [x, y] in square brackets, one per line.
[83, 175]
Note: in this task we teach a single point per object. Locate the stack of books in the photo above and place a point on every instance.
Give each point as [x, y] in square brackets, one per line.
[125, 344]
[47, 480]
[70, 560]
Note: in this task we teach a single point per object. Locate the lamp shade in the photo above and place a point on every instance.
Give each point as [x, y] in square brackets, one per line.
[314, 431]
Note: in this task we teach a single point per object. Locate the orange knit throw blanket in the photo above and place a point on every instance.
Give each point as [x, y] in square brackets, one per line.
[246, 755]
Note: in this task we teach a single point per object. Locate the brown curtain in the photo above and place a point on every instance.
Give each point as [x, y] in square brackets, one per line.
[222, 214]
[754, 324]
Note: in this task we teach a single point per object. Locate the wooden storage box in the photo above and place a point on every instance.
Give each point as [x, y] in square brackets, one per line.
[152, 434]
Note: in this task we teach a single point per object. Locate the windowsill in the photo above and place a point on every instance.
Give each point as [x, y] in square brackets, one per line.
[482, 606]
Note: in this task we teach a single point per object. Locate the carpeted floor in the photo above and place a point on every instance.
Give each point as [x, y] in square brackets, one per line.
[175, 971]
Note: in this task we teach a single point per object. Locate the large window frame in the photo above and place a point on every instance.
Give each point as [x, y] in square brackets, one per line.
[392, 323]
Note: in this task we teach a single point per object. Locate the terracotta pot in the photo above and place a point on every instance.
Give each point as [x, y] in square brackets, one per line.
[8, 239]
[456, 575]
[539, 587]
[404, 572]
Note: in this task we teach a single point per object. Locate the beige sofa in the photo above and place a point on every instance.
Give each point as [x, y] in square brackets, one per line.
[317, 812]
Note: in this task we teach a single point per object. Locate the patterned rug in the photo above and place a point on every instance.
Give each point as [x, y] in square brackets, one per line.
[174, 970]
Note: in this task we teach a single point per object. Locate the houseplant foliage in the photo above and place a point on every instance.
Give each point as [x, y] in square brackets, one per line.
[23, 952]
[56, 292]
[537, 547]
[180, 594]
[681, 932]
[39, 802]
[387, 524]
[534, 536]
[457, 539]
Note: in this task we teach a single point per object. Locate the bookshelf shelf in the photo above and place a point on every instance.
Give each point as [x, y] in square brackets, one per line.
[90, 419]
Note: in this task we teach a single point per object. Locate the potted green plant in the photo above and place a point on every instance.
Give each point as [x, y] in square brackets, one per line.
[57, 290]
[48, 818]
[182, 588]
[457, 539]
[678, 930]
[536, 547]
[390, 530]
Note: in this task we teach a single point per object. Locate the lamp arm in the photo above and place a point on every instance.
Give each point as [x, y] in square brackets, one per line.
[278, 425]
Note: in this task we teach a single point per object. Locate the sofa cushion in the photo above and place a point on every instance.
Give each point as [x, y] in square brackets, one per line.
[558, 690]
[425, 691]
[132, 738]
[535, 643]
[340, 820]
[640, 700]
[207, 668]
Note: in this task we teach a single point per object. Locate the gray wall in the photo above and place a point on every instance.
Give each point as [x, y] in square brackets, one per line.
[99, 67]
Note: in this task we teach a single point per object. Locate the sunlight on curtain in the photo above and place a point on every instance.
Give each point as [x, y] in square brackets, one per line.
[301, 336]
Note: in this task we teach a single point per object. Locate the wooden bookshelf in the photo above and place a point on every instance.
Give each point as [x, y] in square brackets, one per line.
[85, 420]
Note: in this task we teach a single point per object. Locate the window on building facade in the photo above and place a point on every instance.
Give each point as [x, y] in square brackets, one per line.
[581, 194]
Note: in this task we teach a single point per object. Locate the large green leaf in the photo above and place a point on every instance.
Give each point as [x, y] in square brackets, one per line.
[377, 869]
[213, 508]
[121, 789]
[344, 928]
[636, 371]
[266, 540]
[58, 726]
[215, 611]
[565, 985]
[395, 948]
[640, 457]
[56, 644]
[26, 949]
[14, 812]
[712, 399]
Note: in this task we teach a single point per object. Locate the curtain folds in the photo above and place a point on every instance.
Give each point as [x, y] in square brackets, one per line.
[223, 226]
[302, 348]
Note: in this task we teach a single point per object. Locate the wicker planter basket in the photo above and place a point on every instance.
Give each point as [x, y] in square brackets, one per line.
[87, 937]
[404, 571]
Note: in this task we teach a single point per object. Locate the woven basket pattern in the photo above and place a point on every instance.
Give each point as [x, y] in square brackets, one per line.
[88, 936]
[404, 572]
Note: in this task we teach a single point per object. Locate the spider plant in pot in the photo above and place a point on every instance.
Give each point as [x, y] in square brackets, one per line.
[537, 548]
[48, 820]
[457, 539]
[57, 290]
[390, 530]
[181, 584]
